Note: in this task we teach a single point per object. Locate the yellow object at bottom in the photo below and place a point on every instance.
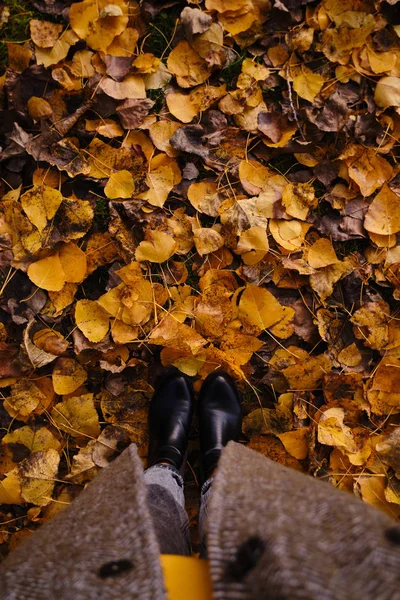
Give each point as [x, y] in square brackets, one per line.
[186, 577]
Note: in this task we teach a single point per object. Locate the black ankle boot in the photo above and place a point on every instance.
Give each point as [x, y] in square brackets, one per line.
[170, 415]
[220, 418]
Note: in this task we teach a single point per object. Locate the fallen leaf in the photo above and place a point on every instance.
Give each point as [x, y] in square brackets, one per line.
[159, 248]
[77, 416]
[68, 375]
[92, 320]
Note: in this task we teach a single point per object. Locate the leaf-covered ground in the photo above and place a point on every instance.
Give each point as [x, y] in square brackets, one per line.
[205, 185]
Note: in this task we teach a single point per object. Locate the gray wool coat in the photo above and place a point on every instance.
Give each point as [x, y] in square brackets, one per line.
[274, 534]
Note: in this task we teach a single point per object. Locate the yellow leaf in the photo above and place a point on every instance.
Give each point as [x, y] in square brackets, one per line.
[120, 185]
[38, 475]
[53, 55]
[184, 361]
[186, 106]
[298, 198]
[10, 489]
[68, 375]
[92, 320]
[105, 127]
[124, 43]
[130, 87]
[93, 22]
[122, 333]
[387, 92]
[172, 334]
[333, 432]
[372, 491]
[289, 234]
[205, 198]
[322, 254]
[63, 298]
[187, 66]
[160, 182]
[308, 84]
[73, 262]
[259, 308]
[367, 168]
[207, 240]
[29, 397]
[81, 65]
[41, 204]
[296, 442]
[34, 439]
[253, 245]
[253, 176]
[161, 132]
[77, 416]
[47, 273]
[159, 248]
[383, 214]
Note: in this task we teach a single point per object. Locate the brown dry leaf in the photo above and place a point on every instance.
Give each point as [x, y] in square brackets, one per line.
[19, 57]
[158, 248]
[187, 66]
[39, 108]
[92, 320]
[77, 416]
[51, 341]
[68, 375]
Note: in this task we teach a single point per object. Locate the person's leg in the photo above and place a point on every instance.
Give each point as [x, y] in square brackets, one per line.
[170, 416]
[220, 421]
[166, 502]
[205, 493]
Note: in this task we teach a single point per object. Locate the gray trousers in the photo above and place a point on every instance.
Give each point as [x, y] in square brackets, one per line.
[166, 501]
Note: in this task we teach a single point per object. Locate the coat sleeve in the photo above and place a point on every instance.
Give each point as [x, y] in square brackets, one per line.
[101, 547]
[276, 533]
